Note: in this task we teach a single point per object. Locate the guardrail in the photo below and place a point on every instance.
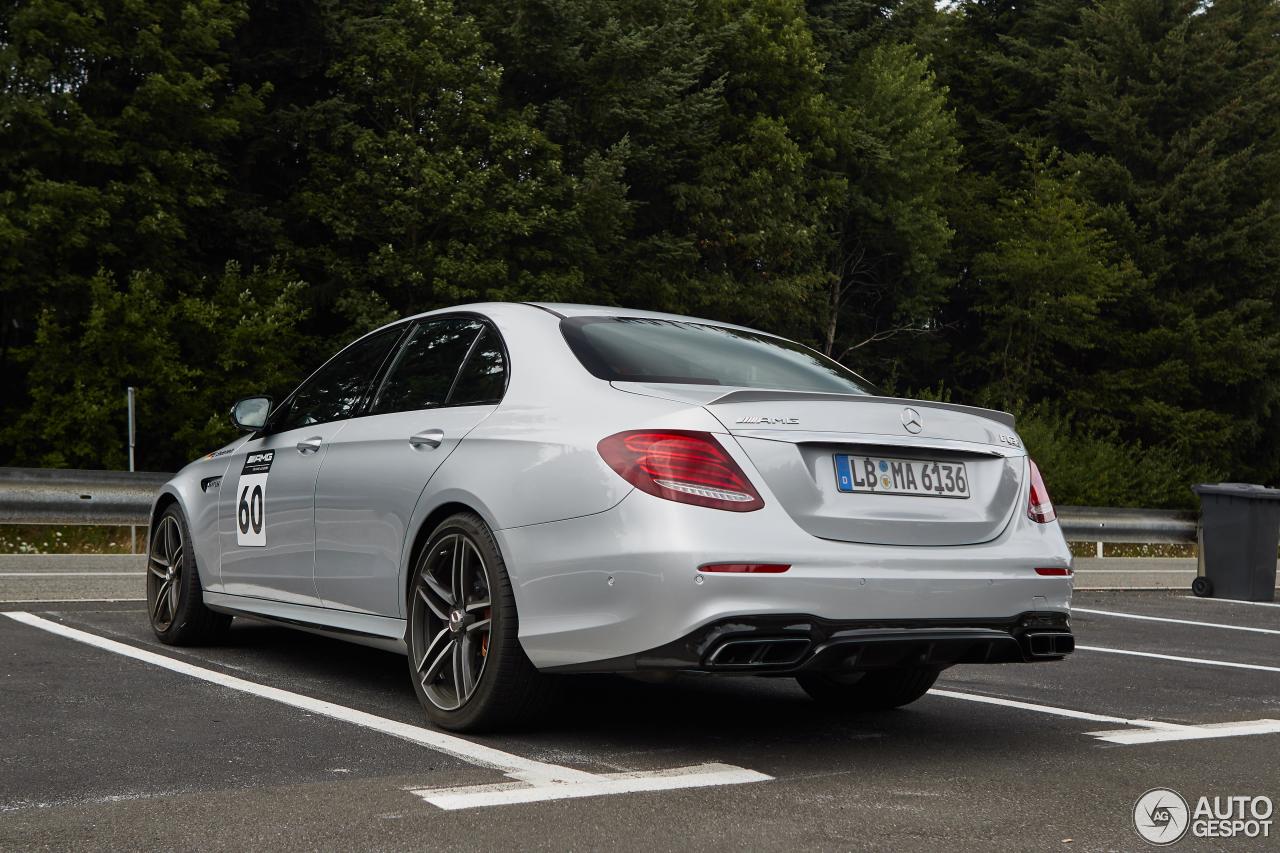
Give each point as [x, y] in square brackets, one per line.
[1146, 526]
[64, 496]
[60, 496]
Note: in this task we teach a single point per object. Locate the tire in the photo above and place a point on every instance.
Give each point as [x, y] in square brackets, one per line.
[876, 690]
[175, 598]
[1202, 587]
[465, 659]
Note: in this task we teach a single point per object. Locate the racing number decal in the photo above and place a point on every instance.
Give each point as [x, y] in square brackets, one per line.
[251, 499]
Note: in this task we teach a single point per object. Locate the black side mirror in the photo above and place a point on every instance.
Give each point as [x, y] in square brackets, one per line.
[250, 413]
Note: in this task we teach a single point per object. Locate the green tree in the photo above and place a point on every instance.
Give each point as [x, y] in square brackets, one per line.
[418, 187]
[1165, 114]
[690, 129]
[189, 357]
[1171, 111]
[113, 118]
[1039, 293]
[895, 153]
[117, 127]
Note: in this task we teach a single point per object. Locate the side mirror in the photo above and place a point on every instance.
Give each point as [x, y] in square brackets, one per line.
[250, 414]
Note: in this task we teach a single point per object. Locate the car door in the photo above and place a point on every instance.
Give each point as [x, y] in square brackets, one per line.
[266, 521]
[448, 375]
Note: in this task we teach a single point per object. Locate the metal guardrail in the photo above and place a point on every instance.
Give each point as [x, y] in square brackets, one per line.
[59, 496]
[1147, 526]
[64, 496]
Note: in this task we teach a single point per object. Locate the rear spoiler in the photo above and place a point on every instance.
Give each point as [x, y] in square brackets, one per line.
[766, 396]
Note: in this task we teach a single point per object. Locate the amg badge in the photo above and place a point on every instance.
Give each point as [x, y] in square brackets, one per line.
[752, 419]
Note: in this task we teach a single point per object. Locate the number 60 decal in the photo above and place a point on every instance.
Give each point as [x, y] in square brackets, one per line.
[250, 509]
[251, 499]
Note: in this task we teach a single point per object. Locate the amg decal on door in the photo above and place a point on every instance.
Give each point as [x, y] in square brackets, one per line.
[251, 499]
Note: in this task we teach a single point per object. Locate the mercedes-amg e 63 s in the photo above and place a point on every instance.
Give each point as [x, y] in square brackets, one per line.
[509, 491]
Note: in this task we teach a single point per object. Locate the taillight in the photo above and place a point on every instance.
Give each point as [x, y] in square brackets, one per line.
[1054, 572]
[680, 465]
[1039, 507]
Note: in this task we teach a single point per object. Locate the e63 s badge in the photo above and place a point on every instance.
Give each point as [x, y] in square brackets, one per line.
[251, 499]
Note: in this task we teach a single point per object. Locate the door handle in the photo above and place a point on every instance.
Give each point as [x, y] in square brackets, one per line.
[428, 439]
[310, 445]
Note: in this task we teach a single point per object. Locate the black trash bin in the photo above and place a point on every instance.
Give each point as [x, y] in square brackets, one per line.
[1240, 532]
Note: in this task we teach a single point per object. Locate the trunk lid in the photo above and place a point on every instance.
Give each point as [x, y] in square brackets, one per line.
[794, 439]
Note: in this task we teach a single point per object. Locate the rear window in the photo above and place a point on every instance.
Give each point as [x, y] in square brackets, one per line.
[636, 349]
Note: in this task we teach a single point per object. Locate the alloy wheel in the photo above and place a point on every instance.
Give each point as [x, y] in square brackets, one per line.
[452, 615]
[164, 572]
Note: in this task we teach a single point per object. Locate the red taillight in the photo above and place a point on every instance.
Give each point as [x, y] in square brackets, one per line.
[1054, 573]
[680, 465]
[746, 568]
[1039, 507]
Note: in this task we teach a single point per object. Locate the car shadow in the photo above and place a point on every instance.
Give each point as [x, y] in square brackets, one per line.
[672, 709]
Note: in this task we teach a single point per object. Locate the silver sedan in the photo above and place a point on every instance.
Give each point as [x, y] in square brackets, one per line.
[502, 491]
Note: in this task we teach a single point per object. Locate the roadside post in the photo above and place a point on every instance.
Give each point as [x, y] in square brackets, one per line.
[133, 436]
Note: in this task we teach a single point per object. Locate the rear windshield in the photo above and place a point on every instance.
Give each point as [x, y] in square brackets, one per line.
[633, 349]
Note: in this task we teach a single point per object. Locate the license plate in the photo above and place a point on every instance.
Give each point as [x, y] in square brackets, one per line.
[888, 476]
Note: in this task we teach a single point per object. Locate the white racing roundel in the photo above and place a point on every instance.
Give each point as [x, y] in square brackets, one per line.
[251, 499]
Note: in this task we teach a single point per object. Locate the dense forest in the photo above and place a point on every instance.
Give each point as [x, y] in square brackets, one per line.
[1066, 209]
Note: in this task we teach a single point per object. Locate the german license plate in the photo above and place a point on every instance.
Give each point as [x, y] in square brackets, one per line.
[888, 476]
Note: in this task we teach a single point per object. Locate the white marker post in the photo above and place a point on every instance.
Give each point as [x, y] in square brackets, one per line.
[133, 436]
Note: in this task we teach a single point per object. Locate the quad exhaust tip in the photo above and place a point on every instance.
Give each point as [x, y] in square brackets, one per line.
[1050, 645]
[747, 654]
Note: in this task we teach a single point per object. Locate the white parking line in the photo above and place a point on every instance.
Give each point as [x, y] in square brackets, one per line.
[1180, 659]
[1052, 710]
[1234, 601]
[510, 793]
[30, 601]
[1176, 621]
[542, 781]
[136, 574]
[1130, 737]
[1142, 731]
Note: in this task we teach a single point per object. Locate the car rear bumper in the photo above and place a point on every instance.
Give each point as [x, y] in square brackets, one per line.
[625, 583]
[789, 644]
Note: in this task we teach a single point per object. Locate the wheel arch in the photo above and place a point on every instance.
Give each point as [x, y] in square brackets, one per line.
[171, 495]
[164, 500]
[447, 506]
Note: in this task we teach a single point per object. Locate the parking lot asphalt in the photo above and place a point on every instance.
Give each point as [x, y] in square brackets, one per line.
[105, 746]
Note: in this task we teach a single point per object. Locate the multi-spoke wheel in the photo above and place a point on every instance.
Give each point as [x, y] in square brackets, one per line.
[452, 620]
[465, 659]
[164, 571]
[175, 600]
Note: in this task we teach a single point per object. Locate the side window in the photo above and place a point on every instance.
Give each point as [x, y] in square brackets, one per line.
[484, 377]
[424, 369]
[336, 389]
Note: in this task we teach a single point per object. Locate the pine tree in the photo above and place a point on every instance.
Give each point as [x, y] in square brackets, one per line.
[1171, 111]
[689, 127]
[895, 153]
[115, 123]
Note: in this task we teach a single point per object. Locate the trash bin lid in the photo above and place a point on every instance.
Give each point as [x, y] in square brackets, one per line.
[1238, 490]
